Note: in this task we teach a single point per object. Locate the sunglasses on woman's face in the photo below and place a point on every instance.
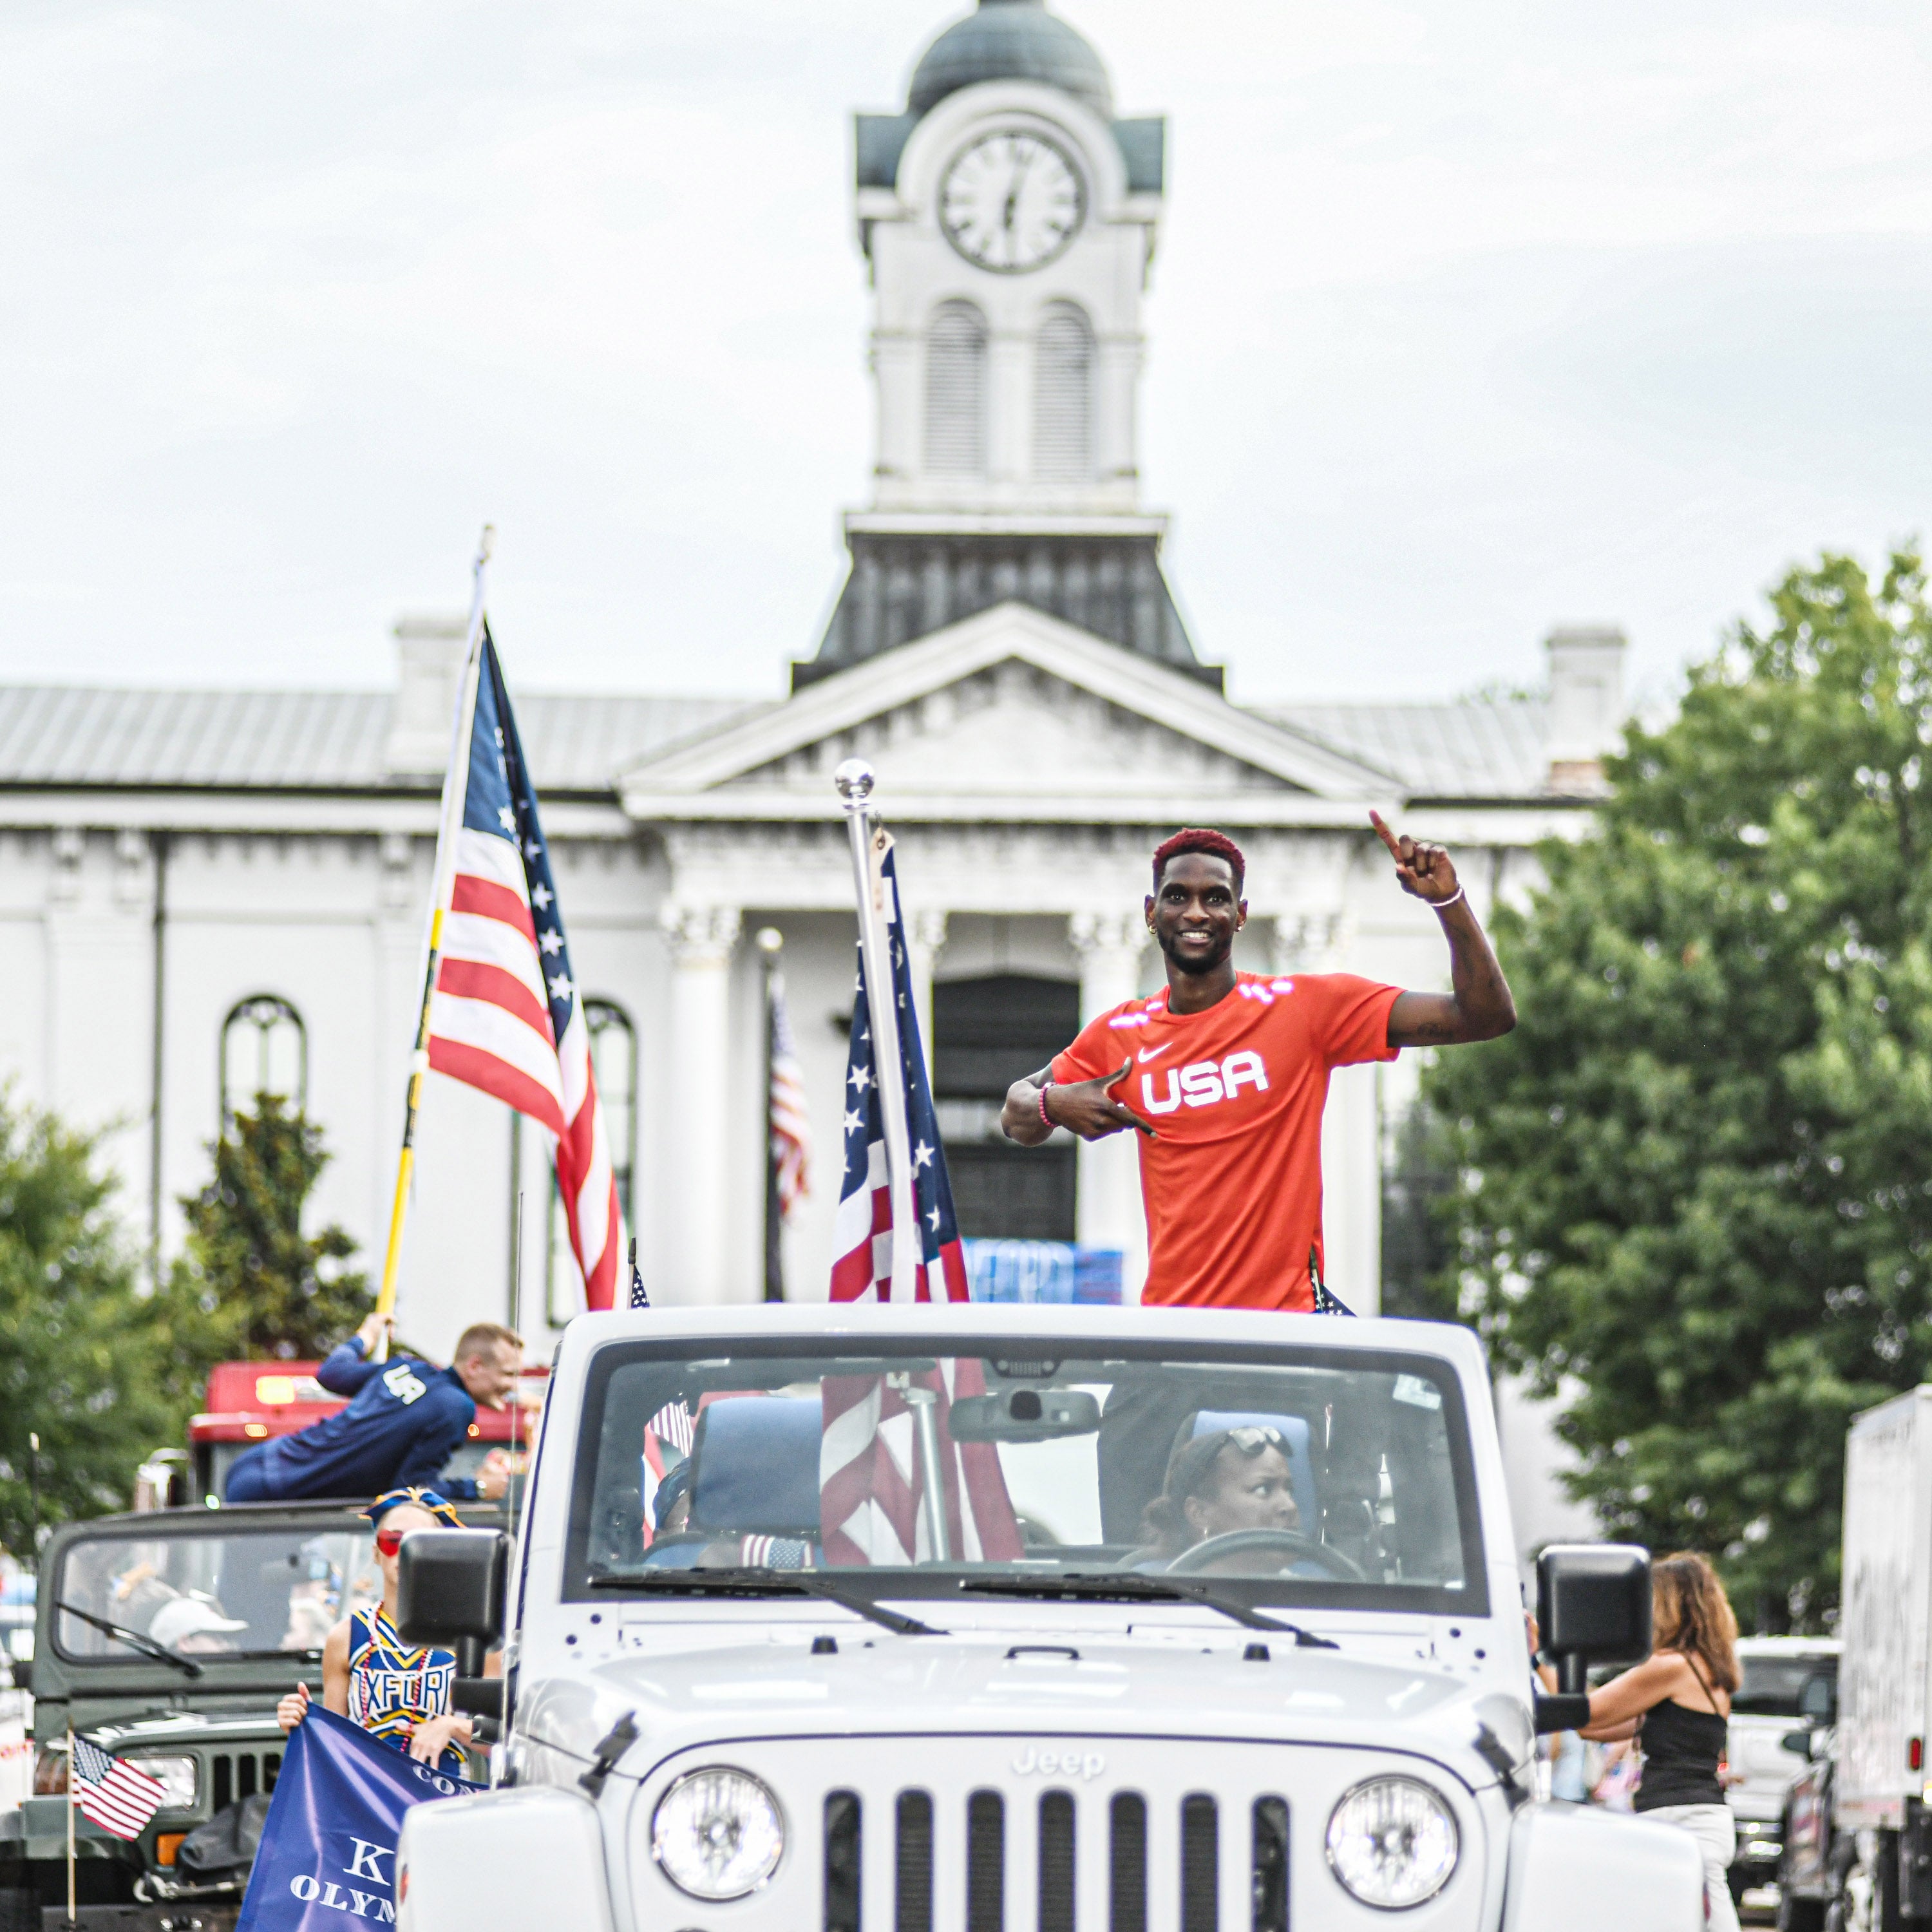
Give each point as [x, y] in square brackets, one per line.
[388, 1541]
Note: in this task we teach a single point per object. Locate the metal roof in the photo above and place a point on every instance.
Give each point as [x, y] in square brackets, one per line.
[308, 740]
[335, 740]
[1474, 748]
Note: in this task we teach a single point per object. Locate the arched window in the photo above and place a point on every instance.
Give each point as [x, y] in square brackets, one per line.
[614, 1064]
[1062, 396]
[956, 392]
[264, 1050]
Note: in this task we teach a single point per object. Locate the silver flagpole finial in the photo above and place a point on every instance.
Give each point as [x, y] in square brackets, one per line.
[486, 543]
[854, 781]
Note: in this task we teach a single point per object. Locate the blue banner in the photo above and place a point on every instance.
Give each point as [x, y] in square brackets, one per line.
[329, 1846]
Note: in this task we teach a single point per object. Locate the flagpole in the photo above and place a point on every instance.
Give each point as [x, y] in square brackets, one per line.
[771, 951]
[71, 1918]
[455, 785]
[854, 779]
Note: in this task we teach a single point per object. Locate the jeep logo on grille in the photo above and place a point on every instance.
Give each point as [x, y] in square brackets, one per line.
[1070, 1762]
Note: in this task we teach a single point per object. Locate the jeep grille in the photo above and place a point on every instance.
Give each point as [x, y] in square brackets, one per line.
[992, 1880]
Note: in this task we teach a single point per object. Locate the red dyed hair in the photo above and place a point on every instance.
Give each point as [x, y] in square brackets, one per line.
[1198, 839]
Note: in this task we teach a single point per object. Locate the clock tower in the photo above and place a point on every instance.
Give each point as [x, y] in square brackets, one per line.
[1009, 222]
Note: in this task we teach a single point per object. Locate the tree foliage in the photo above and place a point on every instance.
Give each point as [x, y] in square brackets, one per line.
[1696, 1181]
[101, 1371]
[273, 1290]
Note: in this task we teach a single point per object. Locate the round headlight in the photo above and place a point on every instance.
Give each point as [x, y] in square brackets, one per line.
[718, 1833]
[1392, 1843]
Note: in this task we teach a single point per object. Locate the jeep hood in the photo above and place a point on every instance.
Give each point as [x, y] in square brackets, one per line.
[987, 1683]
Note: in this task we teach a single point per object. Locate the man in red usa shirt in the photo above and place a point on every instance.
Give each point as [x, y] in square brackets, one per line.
[1224, 1074]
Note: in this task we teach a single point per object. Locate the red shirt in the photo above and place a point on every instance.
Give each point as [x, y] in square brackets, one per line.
[1233, 1183]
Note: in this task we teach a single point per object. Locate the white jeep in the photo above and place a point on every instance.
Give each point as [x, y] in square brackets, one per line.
[958, 1619]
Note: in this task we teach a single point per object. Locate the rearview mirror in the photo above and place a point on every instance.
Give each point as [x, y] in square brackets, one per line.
[450, 1586]
[1592, 1606]
[1024, 1415]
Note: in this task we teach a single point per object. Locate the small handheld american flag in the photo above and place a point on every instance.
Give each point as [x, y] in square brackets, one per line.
[113, 1793]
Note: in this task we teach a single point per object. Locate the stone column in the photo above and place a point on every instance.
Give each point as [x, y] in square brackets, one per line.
[702, 939]
[926, 940]
[1108, 1212]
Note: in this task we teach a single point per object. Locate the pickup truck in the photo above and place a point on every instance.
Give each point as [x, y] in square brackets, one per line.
[1062, 1618]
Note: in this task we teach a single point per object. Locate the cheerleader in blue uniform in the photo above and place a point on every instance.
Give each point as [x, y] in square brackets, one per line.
[397, 1692]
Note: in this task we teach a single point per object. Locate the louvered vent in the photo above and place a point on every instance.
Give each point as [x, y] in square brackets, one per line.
[956, 392]
[1063, 397]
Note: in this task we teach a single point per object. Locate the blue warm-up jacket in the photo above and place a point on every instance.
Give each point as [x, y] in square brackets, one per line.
[404, 1423]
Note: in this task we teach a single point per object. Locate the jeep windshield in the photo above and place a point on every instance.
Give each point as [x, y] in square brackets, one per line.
[1271, 1475]
[199, 1595]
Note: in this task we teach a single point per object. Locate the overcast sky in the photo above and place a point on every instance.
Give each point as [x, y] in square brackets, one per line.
[1469, 318]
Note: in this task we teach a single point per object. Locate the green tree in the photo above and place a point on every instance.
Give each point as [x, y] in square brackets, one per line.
[100, 1370]
[274, 1290]
[1697, 1179]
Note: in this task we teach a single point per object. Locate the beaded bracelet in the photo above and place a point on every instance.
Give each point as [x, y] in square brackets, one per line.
[1043, 1114]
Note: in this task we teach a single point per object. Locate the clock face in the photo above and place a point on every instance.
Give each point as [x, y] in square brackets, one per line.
[1012, 202]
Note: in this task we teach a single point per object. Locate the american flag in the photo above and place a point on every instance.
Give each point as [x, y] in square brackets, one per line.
[872, 1478]
[113, 1793]
[506, 1015]
[871, 1475]
[861, 1231]
[668, 1436]
[790, 1128]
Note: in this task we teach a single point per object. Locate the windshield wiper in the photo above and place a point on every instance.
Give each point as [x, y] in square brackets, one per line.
[133, 1639]
[741, 1582]
[1093, 1587]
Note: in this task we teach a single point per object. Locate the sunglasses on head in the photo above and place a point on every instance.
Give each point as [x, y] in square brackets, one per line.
[1252, 1438]
[388, 1541]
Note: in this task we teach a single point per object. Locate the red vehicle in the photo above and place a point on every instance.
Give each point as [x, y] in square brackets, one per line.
[251, 1401]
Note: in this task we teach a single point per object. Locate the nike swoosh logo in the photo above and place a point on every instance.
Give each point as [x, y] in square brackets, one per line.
[1146, 1054]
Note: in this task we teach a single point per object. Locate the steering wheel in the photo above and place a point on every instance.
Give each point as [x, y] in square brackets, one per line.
[1290, 1543]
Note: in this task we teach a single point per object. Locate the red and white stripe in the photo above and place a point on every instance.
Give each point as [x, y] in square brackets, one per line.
[489, 1027]
[871, 1487]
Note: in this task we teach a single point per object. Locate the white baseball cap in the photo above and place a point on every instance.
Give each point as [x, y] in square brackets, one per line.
[188, 1616]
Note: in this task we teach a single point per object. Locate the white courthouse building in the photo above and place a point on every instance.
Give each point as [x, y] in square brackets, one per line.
[204, 891]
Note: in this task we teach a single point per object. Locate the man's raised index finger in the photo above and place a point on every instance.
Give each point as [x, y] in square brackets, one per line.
[1388, 838]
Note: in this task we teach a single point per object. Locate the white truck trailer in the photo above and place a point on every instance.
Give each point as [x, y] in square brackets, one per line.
[1858, 1855]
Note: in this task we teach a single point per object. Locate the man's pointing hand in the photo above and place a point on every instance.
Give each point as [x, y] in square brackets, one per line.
[1426, 871]
[1084, 1108]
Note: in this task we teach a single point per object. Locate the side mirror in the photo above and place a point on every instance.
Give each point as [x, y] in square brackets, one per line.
[1592, 1606]
[450, 1590]
[1818, 1700]
[23, 1669]
[1798, 1743]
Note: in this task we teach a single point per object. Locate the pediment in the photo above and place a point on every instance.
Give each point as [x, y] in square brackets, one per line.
[1010, 713]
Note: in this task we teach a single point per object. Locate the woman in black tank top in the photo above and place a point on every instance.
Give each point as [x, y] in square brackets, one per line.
[1677, 1704]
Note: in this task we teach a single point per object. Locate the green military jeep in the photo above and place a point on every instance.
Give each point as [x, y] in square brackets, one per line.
[166, 1638]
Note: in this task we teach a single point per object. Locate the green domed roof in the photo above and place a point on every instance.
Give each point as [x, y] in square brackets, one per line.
[1011, 40]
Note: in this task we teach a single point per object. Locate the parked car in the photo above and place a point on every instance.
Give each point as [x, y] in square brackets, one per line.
[1785, 1677]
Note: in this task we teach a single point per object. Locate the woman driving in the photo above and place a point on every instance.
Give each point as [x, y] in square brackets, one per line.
[1227, 1479]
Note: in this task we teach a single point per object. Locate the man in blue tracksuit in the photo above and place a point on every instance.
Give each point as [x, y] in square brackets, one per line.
[405, 1420]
